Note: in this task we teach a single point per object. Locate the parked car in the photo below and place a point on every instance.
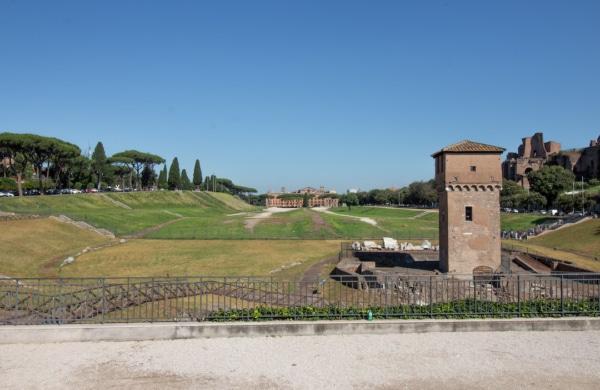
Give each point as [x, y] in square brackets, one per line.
[6, 195]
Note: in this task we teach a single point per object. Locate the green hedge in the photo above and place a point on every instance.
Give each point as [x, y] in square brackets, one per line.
[456, 309]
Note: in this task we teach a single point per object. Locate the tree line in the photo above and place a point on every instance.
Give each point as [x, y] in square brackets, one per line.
[34, 161]
[547, 188]
[418, 193]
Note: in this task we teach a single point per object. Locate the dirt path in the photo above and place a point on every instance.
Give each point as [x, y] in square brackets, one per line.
[311, 275]
[453, 360]
[152, 229]
[319, 223]
[424, 213]
[255, 219]
[325, 210]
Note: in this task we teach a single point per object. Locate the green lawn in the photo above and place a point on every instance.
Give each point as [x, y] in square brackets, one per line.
[126, 213]
[583, 238]
[201, 215]
[522, 222]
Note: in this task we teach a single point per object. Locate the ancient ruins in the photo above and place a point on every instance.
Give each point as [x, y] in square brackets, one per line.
[534, 153]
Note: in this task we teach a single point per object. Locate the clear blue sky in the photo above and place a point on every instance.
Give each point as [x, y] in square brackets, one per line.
[291, 93]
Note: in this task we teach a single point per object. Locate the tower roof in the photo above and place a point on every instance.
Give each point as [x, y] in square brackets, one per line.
[467, 146]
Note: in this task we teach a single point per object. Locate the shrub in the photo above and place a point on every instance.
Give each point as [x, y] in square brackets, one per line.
[7, 184]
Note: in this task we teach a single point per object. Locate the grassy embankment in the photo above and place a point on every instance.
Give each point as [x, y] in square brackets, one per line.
[33, 248]
[579, 243]
[125, 213]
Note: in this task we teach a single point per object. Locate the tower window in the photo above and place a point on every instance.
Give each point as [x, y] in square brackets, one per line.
[468, 213]
[473, 168]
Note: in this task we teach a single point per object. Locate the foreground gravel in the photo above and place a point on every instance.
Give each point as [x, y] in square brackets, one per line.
[431, 361]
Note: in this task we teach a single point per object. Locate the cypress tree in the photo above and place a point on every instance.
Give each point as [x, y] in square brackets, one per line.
[185, 181]
[197, 175]
[174, 179]
[148, 177]
[99, 163]
[162, 179]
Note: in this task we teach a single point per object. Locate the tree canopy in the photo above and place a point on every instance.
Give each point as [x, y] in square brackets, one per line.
[197, 179]
[139, 160]
[551, 181]
[174, 179]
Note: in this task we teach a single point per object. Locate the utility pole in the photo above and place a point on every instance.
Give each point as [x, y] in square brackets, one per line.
[582, 197]
[573, 195]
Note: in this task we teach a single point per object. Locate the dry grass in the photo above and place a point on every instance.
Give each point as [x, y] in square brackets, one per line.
[582, 261]
[282, 259]
[36, 247]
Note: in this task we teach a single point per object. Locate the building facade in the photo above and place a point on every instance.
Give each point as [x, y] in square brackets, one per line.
[534, 153]
[317, 198]
[468, 179]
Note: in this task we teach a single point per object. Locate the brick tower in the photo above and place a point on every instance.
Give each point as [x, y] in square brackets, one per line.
[468, 178]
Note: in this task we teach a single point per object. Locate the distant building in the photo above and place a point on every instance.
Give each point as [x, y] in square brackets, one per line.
[534, 153]
[317, 198]
[468, 178]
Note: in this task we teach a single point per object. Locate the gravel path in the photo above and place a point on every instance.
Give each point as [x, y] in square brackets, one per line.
[325, 210]
[254, 219]
[541, 360]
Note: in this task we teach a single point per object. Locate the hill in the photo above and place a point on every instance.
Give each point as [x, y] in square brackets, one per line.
[582, 238]
[126, 213]
[578, 243]
[36, 247]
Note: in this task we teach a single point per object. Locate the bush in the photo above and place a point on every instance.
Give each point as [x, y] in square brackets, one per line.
[7, 184]
[468, 308]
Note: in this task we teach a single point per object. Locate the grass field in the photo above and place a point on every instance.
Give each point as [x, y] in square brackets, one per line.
[126, 213]
[201, 215]
[190, 233]
[579, 244]
[583, 238]
[280, 259]
[38, 247]
[522, 222]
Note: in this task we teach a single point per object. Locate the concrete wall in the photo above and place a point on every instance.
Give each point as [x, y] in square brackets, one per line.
[172, 331]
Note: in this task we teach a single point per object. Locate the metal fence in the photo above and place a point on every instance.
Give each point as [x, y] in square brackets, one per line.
[121, 300]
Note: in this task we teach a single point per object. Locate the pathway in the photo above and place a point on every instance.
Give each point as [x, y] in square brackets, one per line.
[325, 210]
[502, 360]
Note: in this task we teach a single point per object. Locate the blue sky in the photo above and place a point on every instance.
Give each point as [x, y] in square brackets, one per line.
[344, 94]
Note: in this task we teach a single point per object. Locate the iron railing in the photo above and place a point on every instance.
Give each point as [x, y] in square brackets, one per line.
[121, 300]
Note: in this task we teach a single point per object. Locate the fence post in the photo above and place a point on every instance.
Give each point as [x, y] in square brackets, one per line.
[103, 300]
[17, 295]
[430, 296]
[562, 302]
[519, 295]
[385, 291]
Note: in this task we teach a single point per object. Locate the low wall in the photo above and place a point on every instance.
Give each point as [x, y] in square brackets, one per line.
[172, 331]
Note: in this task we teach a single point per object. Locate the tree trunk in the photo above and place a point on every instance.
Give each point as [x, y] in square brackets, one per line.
[19, 185]
[40, 182]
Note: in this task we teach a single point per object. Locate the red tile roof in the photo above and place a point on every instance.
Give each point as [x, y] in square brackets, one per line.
[467, 146]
